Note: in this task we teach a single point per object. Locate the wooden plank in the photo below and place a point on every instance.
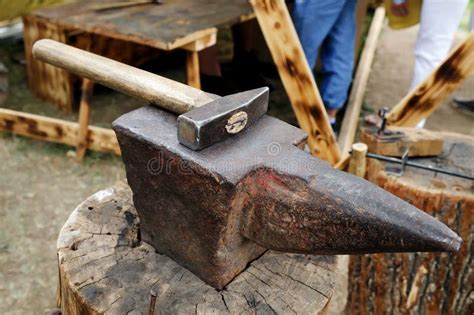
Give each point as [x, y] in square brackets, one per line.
[418, 142]
[359, 85]
[297, 78]
[56, 130]
[84, 118]
[202, 43]
[45, 81]
[428, 95]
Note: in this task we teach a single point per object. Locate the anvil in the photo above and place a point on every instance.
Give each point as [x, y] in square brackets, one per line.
[254, 189]
[215, 210]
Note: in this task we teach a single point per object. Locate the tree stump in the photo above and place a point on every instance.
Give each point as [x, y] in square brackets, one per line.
[422, 283]
[104, 268]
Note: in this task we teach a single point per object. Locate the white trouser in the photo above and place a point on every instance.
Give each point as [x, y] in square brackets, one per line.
[439, 22]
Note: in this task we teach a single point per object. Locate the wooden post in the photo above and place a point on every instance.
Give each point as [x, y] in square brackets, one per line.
[358, 162]
[192, 57]
[192, 69]
[297, 78]
[84, 118]
[356, 97]
[429, 94]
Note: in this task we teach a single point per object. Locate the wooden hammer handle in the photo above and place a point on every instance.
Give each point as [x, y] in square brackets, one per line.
[154, 89]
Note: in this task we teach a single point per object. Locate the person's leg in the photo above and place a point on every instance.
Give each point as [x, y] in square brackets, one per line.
[337, 57]
[313, 20]
[439, 22]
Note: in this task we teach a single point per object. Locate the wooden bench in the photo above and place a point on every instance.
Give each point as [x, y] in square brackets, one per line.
[121, 34]
[179, 24]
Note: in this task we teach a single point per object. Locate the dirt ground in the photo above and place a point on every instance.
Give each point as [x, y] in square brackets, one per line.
[41, 183]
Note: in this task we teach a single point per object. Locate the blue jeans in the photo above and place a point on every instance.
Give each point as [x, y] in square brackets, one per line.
[328, 26]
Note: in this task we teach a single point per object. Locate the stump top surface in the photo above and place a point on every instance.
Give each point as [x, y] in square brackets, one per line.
[104, 268]
[457, 156]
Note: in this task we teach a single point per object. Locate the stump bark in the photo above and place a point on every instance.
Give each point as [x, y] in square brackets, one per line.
[422, 283]
[104, 268]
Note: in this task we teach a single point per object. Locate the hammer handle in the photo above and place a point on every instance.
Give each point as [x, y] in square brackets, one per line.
[154, 89]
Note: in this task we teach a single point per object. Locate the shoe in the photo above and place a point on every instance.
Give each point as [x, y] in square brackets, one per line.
[464, 105]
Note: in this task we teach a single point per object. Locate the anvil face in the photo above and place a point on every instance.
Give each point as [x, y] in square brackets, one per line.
[215, 210]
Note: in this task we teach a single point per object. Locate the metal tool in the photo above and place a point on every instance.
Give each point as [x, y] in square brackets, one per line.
[206, 119]
[382, 132]
[216, 210]
[404, 162]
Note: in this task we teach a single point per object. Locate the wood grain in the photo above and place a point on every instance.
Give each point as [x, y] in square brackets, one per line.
[418, 142]
[56, 130]
[429, 94]
[192, 69]
[168, 26]
[171, 95]
[105, 268]
[359, 85]
[297, 78]
[423, 283]
[46, 81]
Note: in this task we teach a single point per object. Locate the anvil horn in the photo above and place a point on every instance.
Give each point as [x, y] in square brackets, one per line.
[335, 213]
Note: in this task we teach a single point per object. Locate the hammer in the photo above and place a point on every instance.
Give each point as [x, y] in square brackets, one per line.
[205, 118]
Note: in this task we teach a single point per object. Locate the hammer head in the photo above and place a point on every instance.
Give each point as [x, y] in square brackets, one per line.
[216, 210]
[222, 118]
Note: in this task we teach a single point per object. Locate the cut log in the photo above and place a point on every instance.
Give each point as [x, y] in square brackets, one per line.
[422, 283]
[297, 78]
[105, 268]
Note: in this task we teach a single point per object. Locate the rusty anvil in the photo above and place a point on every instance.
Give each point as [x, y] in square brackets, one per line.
[216, 210]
